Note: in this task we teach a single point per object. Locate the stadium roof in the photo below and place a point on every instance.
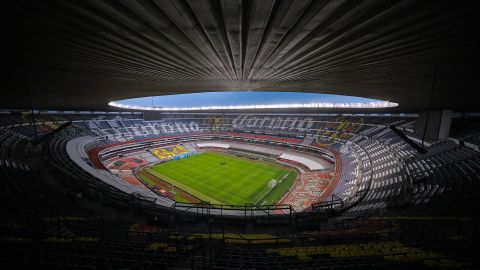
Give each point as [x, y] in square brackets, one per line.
[83, 54]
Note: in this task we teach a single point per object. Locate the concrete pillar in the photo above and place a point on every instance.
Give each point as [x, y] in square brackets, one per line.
[437, 125]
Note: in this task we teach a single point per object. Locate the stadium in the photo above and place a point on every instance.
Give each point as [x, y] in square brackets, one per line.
[201, 134]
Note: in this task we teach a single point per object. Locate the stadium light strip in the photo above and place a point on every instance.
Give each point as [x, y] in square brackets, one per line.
[352, 105]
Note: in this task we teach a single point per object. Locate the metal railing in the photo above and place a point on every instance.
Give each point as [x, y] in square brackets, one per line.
[245, 210]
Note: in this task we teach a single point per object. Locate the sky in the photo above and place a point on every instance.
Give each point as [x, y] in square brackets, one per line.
[240, 98]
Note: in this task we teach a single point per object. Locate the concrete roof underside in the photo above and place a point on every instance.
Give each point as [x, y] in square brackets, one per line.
[82, 54]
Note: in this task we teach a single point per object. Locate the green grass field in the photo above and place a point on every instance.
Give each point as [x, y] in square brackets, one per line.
[237, 182]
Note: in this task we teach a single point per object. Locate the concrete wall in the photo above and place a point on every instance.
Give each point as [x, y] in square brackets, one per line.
[437, 124]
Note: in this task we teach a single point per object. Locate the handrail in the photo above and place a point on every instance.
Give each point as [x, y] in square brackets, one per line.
[328, 204]
[250, 207]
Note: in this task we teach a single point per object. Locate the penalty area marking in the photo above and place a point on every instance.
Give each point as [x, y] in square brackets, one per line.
[272, 183]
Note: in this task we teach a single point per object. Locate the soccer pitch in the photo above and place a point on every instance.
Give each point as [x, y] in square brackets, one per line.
[224, 179]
